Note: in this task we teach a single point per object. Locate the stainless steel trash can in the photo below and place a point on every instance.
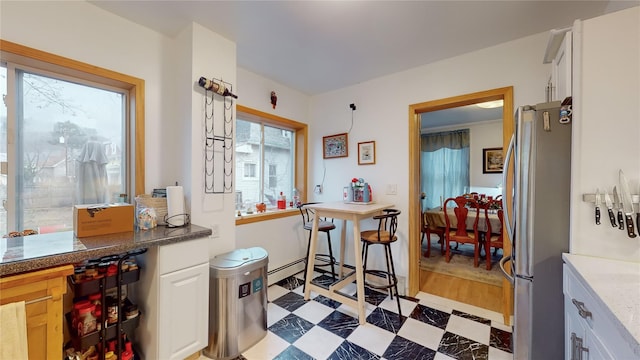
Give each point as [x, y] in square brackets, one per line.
[237, 302]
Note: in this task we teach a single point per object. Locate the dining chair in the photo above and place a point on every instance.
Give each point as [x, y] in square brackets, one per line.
[463, 209]
[384, 235]
[323, 226]
[493, 238]
[428, 229]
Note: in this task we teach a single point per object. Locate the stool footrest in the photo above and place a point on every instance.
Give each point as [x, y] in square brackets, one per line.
[382, 274]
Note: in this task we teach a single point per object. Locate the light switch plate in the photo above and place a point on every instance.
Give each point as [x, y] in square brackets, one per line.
[392, 189]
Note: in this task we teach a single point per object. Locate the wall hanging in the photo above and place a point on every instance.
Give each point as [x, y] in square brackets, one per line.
[335, 146]
[367, 153]
[218, 142]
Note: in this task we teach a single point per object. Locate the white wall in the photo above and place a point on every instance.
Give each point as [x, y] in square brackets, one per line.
[284, 239]
[382, 115]
[606, 127]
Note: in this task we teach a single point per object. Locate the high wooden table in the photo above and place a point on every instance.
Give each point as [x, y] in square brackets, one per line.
[346, 212]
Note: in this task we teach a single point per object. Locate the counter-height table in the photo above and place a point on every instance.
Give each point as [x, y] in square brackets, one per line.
[353, 212]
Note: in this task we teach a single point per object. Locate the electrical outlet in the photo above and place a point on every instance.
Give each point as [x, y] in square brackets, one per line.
[392, 189]
[215, 231]
[318, 189]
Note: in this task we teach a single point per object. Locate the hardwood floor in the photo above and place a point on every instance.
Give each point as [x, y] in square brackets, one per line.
[466, 291]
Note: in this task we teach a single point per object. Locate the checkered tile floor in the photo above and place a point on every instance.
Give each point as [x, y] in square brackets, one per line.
[430, 328]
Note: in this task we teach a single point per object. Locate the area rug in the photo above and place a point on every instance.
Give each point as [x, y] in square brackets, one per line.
[461, 263]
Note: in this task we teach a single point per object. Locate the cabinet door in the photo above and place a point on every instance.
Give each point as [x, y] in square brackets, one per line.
[562, 69]
[184, 302]
[573, 328]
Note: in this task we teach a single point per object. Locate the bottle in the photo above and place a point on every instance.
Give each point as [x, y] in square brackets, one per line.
[366, 193]
[296, 198]
[282, 201]
[216, 87]
[127, 354]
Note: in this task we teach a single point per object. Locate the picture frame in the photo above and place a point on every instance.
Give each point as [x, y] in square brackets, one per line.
[492, 160]
[367, 153]
[335, 146]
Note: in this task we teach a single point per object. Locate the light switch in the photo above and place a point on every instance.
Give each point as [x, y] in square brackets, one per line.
[392, 189]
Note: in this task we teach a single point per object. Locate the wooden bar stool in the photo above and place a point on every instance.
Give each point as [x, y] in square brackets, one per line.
[384, 235]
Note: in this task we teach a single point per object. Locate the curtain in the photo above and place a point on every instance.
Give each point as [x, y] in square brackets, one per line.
[444, 165]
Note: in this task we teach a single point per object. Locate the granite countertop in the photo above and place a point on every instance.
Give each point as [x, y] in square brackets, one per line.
[616, 286]
[35, 252]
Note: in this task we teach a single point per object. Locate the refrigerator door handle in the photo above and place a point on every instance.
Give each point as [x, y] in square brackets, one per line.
[502, 263]
[505, 174]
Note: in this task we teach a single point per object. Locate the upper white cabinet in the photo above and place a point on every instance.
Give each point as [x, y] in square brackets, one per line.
[559, 54]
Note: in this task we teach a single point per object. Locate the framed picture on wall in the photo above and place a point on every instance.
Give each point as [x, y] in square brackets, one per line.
[335, 146]
[367, 153]
[492, 160]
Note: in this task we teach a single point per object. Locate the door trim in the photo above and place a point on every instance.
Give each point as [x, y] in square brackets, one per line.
[504, 93]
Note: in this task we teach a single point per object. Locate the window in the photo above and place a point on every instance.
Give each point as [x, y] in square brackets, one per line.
[445, 165]
[249, 170]
[273, 176]
[72, 126]
[276, 147]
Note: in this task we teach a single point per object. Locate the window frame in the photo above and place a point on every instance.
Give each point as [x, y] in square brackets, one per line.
[135, 88]
[300, 166]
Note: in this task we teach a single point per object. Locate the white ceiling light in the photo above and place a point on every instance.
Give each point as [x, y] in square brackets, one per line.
[491, 104]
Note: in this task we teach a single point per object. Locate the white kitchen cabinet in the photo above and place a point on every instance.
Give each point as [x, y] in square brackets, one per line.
[174, 297]
[559, 54]
[589, 332]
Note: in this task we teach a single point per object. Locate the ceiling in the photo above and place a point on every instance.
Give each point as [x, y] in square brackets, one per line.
[320, 46]
[458, 116]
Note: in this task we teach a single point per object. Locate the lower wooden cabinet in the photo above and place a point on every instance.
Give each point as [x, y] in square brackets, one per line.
[43, 291]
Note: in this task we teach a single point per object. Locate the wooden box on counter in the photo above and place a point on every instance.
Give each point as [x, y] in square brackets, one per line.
[101, 219]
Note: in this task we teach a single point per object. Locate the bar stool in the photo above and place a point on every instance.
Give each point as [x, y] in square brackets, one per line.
[323, 226]
[384, 235]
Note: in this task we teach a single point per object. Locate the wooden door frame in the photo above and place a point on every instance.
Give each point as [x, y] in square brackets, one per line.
[504, 93]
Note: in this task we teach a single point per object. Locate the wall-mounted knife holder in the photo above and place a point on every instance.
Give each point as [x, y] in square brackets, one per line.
[591, 198]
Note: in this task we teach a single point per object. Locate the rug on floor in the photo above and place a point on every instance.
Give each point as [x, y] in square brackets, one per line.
[461, 263]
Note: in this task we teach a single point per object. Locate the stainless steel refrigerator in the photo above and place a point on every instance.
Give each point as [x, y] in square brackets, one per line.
[537, 221]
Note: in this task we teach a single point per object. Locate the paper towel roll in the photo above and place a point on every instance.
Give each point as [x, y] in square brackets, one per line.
[175, 206]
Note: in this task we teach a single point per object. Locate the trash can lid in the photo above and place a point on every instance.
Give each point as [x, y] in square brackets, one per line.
[238, 257]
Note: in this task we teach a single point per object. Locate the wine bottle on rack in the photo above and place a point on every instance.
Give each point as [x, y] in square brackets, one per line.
[217, 87]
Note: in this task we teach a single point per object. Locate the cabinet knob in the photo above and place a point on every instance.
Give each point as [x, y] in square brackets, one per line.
[582, 310]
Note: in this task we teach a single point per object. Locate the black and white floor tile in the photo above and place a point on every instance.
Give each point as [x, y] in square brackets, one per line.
[430, 327]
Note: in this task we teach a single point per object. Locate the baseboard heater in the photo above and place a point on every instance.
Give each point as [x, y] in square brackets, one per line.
[302, 260]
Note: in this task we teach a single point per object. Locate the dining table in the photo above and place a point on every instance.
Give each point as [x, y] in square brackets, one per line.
[345, 211]
[435, 218]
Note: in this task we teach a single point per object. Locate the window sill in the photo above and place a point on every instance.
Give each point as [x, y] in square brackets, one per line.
[267, 215]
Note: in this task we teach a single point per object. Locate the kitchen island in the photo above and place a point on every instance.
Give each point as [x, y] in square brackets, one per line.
[604, 294]
[35, 252]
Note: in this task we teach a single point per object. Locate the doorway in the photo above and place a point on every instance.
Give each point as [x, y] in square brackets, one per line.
[505, 94]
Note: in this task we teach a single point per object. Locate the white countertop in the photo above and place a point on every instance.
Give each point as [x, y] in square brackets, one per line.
[616, 285]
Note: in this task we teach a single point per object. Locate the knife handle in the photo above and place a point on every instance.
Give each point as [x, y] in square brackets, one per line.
[597, 215]
[612, 218]
[620, 220]
[630, 226]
